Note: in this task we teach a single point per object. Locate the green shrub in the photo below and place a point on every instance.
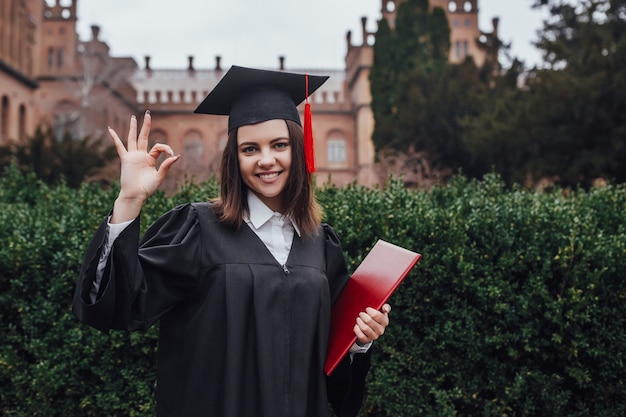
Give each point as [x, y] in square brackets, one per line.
[517, 308]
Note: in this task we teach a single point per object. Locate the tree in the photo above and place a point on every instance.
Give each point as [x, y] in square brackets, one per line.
[419, 41]
[418, 97]
[568, 121]
[383, 81]
[582, 132]
[65, 159]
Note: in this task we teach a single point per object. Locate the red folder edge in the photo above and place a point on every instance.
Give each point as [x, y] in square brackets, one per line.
[371, 285]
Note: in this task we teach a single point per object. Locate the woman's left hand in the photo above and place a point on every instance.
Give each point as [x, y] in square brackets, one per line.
[371, 324]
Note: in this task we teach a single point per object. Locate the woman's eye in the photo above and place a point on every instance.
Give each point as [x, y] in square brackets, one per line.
[281, 145]
[248, 149]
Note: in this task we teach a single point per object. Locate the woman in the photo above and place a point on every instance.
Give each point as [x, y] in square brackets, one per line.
[242, 286]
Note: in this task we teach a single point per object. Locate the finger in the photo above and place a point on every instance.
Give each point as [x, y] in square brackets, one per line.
[377, 316]
[160, 148]
[386, 309]
[132, 134]
[361, 337]
[371, 331]
[119, 145]
[142, 140]
[166, 165]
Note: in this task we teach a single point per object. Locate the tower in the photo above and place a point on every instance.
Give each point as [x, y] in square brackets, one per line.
[464, 30]
[59, 42]
[463, 21]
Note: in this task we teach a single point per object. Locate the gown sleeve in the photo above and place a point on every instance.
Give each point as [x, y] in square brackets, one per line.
[142, 280]
[345, 387]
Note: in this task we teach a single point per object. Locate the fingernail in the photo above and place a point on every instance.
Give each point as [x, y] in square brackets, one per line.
[109, 127]
[133, 117]
[147, 111]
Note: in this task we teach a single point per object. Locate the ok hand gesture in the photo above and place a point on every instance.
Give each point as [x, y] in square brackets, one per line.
[139, 176]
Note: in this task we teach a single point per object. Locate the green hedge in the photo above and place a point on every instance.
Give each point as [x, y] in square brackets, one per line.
[518, 307]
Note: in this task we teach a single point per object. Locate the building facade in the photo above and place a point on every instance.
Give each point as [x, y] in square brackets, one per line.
[48, 76]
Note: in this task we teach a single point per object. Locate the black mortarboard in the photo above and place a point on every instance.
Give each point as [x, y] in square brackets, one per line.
[250, 96]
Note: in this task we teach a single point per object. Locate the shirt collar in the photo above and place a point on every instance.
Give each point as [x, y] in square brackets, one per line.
[260, 213]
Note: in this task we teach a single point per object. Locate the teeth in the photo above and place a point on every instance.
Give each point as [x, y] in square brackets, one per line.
[268, 176]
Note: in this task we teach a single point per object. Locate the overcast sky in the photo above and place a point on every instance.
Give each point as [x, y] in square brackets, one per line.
[309, 33]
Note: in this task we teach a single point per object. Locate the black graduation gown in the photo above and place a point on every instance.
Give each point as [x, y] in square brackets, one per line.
[239, 335]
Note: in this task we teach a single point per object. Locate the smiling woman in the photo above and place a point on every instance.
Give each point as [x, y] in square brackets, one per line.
[265, 160]
[242, 286]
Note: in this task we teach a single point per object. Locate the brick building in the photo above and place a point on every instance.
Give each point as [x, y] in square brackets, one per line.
[49, 76]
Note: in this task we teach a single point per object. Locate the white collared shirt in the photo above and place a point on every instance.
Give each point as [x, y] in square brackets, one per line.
[275, 230]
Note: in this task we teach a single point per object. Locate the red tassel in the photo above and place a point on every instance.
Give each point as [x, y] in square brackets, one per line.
[309, 145]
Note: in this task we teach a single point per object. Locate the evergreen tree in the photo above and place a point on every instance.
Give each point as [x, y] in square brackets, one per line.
[581, 128]
[383, 81]
[55, 159]
[568, 122]
[419, 41]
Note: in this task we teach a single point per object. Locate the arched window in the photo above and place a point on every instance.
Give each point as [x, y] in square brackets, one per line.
[461, 49]
[222, 140]
[194, 152]
[21, 134]
[157, 136]
[4, 118]
[336, 148]
[50, 57]
[66, 119]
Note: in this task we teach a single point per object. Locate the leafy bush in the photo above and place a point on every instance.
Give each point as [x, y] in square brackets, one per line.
[517, 308]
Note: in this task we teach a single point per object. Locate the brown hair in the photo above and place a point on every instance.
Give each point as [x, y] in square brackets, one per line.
[298, 199]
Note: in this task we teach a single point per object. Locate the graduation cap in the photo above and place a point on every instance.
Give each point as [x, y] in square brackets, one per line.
[250, 96]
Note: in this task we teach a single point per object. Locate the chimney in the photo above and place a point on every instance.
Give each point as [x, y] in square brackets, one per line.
[281, 62]
[95, 32]
[147, 61]
[190, 65]
[218, 64]
[495, 22]
[363, 26]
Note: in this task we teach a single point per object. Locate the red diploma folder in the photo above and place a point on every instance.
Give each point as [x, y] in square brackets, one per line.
[371, 285]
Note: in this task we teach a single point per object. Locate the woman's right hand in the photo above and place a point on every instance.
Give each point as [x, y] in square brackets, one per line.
[139, 177]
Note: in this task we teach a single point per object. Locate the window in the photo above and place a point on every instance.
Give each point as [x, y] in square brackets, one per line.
[467, 6]
[4, 118]
[60, 57]
[193, 152]
[157, 136]
[336, 149]
[452, 6]
[461, 49]
[66, 120]
[390, 6]
[22, 124]
[50, 57]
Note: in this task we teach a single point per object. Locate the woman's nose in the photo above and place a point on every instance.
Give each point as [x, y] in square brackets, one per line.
[266, 159]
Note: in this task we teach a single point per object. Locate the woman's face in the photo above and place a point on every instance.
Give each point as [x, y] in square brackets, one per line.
[264, 153]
